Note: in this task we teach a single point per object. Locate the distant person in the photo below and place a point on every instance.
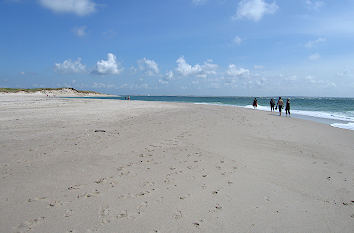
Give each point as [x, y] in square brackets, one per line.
[255, 103]
[128, 97]
[280, 105]
[272, 104]
[287, 107]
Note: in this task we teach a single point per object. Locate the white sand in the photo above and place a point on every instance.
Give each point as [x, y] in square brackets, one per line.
[166, 167]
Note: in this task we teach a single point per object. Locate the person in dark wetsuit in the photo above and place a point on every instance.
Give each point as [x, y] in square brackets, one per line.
[280, 105]
[255, 103]
[272, 104]
[287, 107]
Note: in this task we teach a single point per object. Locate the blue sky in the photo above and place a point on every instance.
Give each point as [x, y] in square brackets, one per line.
[180, 47]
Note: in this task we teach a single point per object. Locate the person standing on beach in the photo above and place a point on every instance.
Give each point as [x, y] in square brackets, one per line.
[280, 105]
[255, 103]
[287, 107]
[272, 104]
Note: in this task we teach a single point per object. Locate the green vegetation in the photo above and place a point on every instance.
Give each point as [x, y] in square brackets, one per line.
[14, 90]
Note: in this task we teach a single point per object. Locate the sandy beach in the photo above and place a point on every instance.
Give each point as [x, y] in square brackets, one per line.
[85, 165]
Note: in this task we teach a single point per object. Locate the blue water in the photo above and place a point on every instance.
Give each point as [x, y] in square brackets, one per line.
[339, 110]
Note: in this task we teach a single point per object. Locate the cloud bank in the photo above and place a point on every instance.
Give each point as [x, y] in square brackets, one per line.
[69, 66]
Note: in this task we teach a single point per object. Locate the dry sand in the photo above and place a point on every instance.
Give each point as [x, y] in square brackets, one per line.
[169, 167]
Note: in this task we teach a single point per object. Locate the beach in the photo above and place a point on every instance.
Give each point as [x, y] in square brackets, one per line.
[93, 165]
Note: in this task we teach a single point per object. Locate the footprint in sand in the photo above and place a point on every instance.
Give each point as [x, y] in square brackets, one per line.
[28, 225]
[36, 199]
[178, 215]
[123, 214]
[197, 224]
[126, 196]
[74, 187]
[217, 207]
[88, 195]
[104, 215]
[142, 194]
[182, 197]
[55, 203]
[100, 180]
[68, 213]
[141, 207]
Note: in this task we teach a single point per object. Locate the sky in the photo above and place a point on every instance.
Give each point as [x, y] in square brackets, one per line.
[180, 47]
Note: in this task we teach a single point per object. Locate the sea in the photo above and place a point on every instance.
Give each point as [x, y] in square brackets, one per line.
[338, 112]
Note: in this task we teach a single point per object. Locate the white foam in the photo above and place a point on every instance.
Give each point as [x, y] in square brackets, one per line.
[319, 114]
[259, 107]
[326, 115]
[349, 125]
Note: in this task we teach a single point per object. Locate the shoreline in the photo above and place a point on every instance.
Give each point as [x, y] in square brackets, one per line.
[300, 114]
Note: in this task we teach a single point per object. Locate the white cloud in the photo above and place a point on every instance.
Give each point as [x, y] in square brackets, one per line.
[314, 5]
[79, 7]
[69, 66]
[109, 66]
[313, 43]
[169, 75]
[314, 57]
[237, 40]
[80, 31]
[201, 71]
[254, 9]
[150, 67]
[209, 68]
[186, 69]
[234, 71]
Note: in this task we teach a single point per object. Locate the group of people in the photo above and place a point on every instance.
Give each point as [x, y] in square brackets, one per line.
[279, 105]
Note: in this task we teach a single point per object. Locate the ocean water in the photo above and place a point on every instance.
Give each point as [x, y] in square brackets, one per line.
[339, 112]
